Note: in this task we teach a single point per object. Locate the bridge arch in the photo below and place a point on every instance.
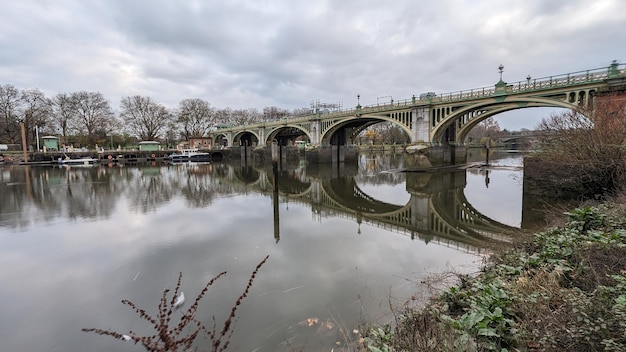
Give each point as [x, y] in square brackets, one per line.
[274, 133]
[355, 125]
[465, 118]
[245, 137]
[221, 139]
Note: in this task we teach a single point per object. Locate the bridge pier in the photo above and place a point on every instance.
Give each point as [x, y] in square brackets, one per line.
[332, 154]
[420, 128]
[436, 157]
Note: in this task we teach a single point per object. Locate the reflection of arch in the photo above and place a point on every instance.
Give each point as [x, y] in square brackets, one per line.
[346, 193]
[289, 182]
[426, 215]
[246, 174]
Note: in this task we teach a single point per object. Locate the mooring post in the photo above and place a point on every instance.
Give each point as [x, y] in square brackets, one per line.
[24, 149]
[487, 146]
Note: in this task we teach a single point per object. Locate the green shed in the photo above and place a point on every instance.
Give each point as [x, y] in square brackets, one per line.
[149, 146]
[50, 143]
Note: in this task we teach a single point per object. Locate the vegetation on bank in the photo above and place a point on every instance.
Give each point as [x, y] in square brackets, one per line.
[582, 154]
[563, 290]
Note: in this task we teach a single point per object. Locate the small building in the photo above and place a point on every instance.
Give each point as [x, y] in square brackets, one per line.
[149, 146]
[50, 143]
[201, 142]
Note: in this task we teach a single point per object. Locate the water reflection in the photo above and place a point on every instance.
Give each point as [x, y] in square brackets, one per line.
[342, 240]
[436, 207]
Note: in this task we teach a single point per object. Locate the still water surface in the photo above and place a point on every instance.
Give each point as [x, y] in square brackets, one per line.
[343, 244]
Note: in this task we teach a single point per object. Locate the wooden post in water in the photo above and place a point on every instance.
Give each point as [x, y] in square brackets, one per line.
[24, 150]
[487, 146]
[275, 200]
[275, 152]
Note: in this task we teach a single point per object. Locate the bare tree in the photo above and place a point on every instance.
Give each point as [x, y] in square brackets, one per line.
[93, 115]
[222, 116]
[144, 118]
[301, 112]
[486, 128]
[245, 116]
[196, 116]
[582, 152]
[9, 114]
[36, 111]
[272, 113]
[64, 113]
[393, 134]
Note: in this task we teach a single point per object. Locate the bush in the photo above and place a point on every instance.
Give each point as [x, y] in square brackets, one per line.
[583, 153]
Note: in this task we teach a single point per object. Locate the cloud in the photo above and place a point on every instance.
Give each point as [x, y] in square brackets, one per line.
[252, 54]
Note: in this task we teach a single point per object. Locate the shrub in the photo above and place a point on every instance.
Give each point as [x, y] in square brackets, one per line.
[583, 152]
[181, 337]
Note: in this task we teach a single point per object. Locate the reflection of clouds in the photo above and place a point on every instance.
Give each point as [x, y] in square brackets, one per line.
[78, 271]
[392, 194]
[501, 200]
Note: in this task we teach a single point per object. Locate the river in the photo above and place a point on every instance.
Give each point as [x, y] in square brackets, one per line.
[345, 244]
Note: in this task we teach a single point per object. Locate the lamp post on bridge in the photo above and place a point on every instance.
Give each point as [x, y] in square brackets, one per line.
[501, 85]
[528, 78]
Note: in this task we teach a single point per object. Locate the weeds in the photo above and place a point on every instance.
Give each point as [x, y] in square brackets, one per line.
[564, 290]
[182, 335]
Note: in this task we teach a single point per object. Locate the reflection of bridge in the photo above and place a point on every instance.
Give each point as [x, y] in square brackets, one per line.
[437, 210]
[434, 119]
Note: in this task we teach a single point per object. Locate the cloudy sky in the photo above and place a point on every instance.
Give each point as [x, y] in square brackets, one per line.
[288, 53]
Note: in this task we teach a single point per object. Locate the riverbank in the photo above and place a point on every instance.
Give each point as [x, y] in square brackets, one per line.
[563, 289]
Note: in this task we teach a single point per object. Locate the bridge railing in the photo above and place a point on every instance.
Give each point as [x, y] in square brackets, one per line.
[536, 84]
[528, 85]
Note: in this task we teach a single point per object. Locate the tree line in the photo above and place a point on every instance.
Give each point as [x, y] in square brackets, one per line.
[87, 118]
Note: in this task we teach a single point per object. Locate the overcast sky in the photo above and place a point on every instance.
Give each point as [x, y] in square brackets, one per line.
[287, 53]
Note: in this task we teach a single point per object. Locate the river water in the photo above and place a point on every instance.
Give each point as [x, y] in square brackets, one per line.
[344, 243]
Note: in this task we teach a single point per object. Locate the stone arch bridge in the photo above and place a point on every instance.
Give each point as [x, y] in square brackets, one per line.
[432, 119]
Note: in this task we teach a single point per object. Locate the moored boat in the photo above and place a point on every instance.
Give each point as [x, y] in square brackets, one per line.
[192, 154]
[77, 161]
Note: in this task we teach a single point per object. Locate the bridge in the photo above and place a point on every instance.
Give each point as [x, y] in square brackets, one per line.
[432, 119]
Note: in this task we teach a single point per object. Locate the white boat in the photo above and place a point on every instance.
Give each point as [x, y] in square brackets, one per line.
[191, 154]
[78, 161]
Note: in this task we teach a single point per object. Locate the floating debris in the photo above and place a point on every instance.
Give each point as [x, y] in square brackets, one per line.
[179, 301]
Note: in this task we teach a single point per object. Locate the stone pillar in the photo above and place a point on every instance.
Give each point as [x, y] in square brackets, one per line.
[315, 132]
[420, 119]
[229, 139]
[262, 141]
